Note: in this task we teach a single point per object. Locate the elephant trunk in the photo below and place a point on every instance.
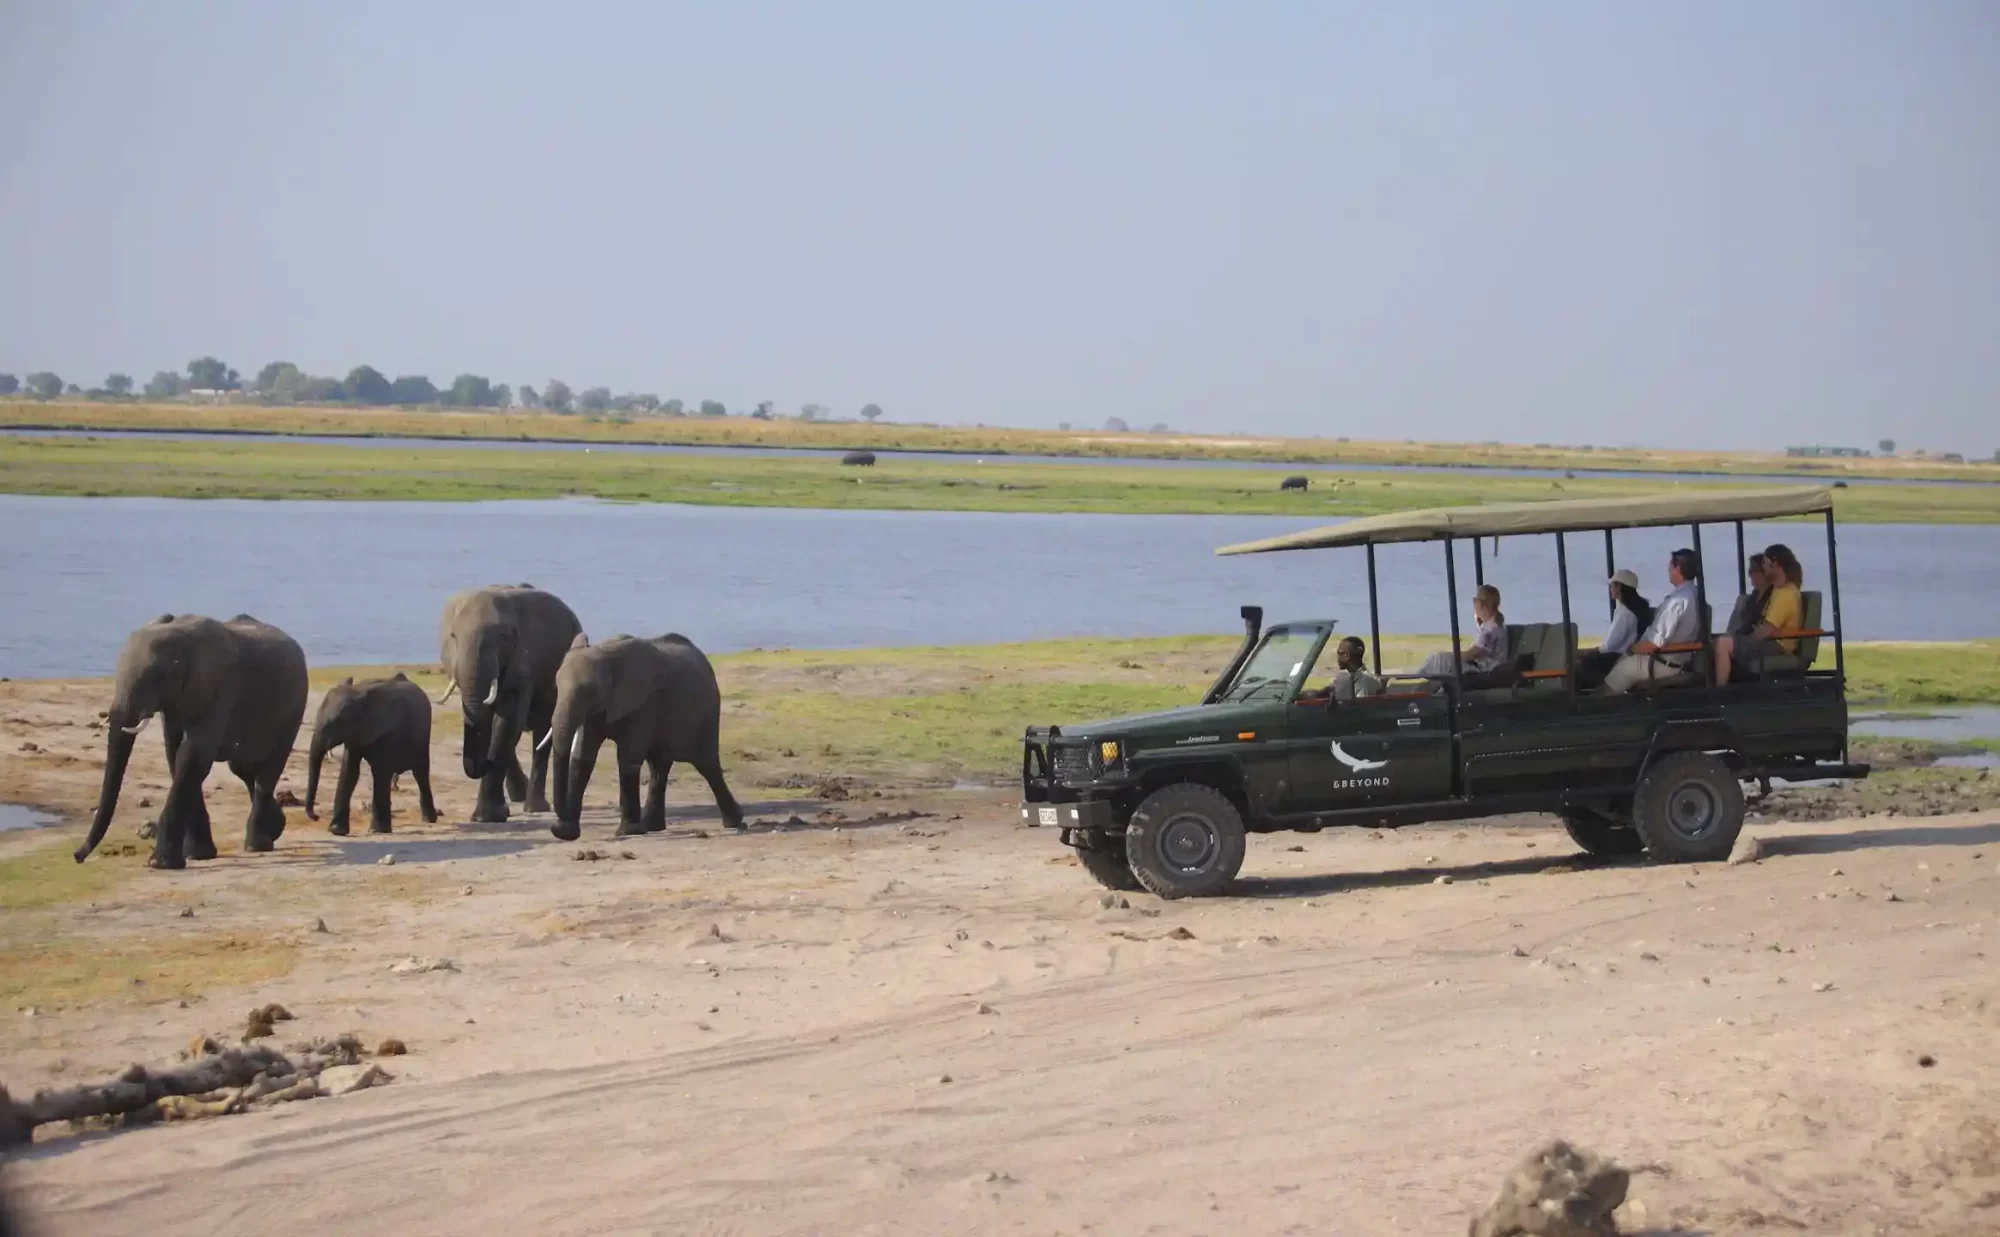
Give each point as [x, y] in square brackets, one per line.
[562, 735]
[318, 757]
[117, 751]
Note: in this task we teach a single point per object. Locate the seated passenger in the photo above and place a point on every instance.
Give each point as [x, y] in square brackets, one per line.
[1489, 641]
[1631, 614]
[1749, 610]
[1351, 679]
[1677, 621]
[1783, 609]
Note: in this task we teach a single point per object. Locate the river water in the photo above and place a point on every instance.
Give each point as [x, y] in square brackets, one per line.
[362, 583]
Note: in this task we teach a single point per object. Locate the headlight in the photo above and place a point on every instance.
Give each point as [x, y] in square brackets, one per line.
[1109, 751]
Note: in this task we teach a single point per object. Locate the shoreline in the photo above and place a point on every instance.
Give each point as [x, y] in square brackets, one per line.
[522, 426]
[267, 466]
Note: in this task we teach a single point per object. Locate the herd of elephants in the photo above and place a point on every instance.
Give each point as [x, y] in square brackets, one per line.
[516, 656]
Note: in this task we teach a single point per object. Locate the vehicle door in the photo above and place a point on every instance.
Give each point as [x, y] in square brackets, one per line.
[1368, 752]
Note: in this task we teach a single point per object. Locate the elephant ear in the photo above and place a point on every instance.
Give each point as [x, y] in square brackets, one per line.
[379, 719]
[581, 642]
[629, 690]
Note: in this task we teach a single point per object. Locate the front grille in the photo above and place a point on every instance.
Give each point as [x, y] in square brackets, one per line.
[1072, 764]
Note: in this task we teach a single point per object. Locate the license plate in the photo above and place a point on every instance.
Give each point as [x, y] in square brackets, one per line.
[1046, 815]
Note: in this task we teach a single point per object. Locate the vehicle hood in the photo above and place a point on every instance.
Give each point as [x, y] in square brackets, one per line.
[1173, 726]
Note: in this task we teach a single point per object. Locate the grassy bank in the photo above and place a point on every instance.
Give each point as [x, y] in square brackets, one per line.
[743, 432]
[264, 469]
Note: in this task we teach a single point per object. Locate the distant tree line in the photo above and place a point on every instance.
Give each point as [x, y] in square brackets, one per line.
[282, 382]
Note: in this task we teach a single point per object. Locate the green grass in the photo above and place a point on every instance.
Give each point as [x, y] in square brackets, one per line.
[261, 469]
[1958, 672]
[741, 431]
[47, 876]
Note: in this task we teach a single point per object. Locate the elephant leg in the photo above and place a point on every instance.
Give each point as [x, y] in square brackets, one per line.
[420, 772]
[516, 778]
[378, 811]
[538, 779]
[655, 818]
[200, 844]
[258, 834]
[491, 809]
[191, 766]
[343, 794]
[628, 799]
[710, 769]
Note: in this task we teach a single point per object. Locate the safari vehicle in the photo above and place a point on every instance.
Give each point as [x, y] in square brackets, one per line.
[1164, 801]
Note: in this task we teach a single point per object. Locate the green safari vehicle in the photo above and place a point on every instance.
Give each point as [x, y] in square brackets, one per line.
[1165, 801]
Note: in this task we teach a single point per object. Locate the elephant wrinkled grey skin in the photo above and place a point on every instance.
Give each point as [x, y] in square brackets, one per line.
[501, 647]
[386, 722]
[233, 691]
[657, 701]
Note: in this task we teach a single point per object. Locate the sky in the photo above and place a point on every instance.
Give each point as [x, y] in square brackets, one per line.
[1703, 224]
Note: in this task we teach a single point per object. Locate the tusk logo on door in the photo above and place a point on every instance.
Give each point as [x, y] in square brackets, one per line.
[1355, 763]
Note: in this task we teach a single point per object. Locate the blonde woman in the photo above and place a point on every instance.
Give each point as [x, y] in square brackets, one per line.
[1489, 639]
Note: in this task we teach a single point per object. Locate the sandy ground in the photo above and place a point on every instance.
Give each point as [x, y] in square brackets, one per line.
[933, 1025]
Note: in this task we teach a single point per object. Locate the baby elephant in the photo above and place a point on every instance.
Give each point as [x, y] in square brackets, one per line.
[386, 722]
[657, 701]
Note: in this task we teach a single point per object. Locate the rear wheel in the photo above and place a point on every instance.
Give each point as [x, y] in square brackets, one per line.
[1689, 809]
[1601, 833]
[1104, 858]
[1185, 841]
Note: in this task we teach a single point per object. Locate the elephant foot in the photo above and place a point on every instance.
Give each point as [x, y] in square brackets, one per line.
[338, 828]
[735, 824]
[166, 863]
[657, 826]
[630, 829]
[539, 803]
[490, 814]
[430, 816]
[200, 851]
[565, 832]
[260, 845]
[381, 828]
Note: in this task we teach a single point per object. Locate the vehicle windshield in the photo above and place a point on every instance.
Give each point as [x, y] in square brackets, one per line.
[1280, 659]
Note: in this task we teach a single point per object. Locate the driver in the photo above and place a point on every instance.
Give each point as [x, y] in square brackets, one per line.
[1352, 679]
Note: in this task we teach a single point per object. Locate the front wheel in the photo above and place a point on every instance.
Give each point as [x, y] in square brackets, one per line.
[1689, 809]
[1185, 841]
[1104, 858]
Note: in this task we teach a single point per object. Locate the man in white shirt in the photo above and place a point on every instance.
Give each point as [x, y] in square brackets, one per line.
[1677, 621]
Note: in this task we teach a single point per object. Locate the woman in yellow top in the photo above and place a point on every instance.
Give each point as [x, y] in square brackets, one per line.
[1783, 611]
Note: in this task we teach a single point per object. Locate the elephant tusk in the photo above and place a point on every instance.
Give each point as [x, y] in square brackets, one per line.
[550, 734]
[493, 694]
[576, 746]
[447, 693]
[143, 723]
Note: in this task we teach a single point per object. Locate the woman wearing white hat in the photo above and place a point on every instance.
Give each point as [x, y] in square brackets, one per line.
[1629, 616]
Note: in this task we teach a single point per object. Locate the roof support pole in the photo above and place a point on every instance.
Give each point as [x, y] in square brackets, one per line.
[1610, 568]
[1451, 591]
[1742, 563]
[1839, 628]
[1374, 613]
[1701, 591]
[1478, 563]
[1569, 631]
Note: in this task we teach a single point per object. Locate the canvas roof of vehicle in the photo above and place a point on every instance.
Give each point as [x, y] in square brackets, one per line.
[1563, 515]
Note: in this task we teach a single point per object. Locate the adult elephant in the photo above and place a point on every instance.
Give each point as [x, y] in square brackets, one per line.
[233, 691]
[657, 701]
[501, 647]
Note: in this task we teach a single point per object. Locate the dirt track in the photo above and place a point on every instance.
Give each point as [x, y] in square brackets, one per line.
[752, 1034]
